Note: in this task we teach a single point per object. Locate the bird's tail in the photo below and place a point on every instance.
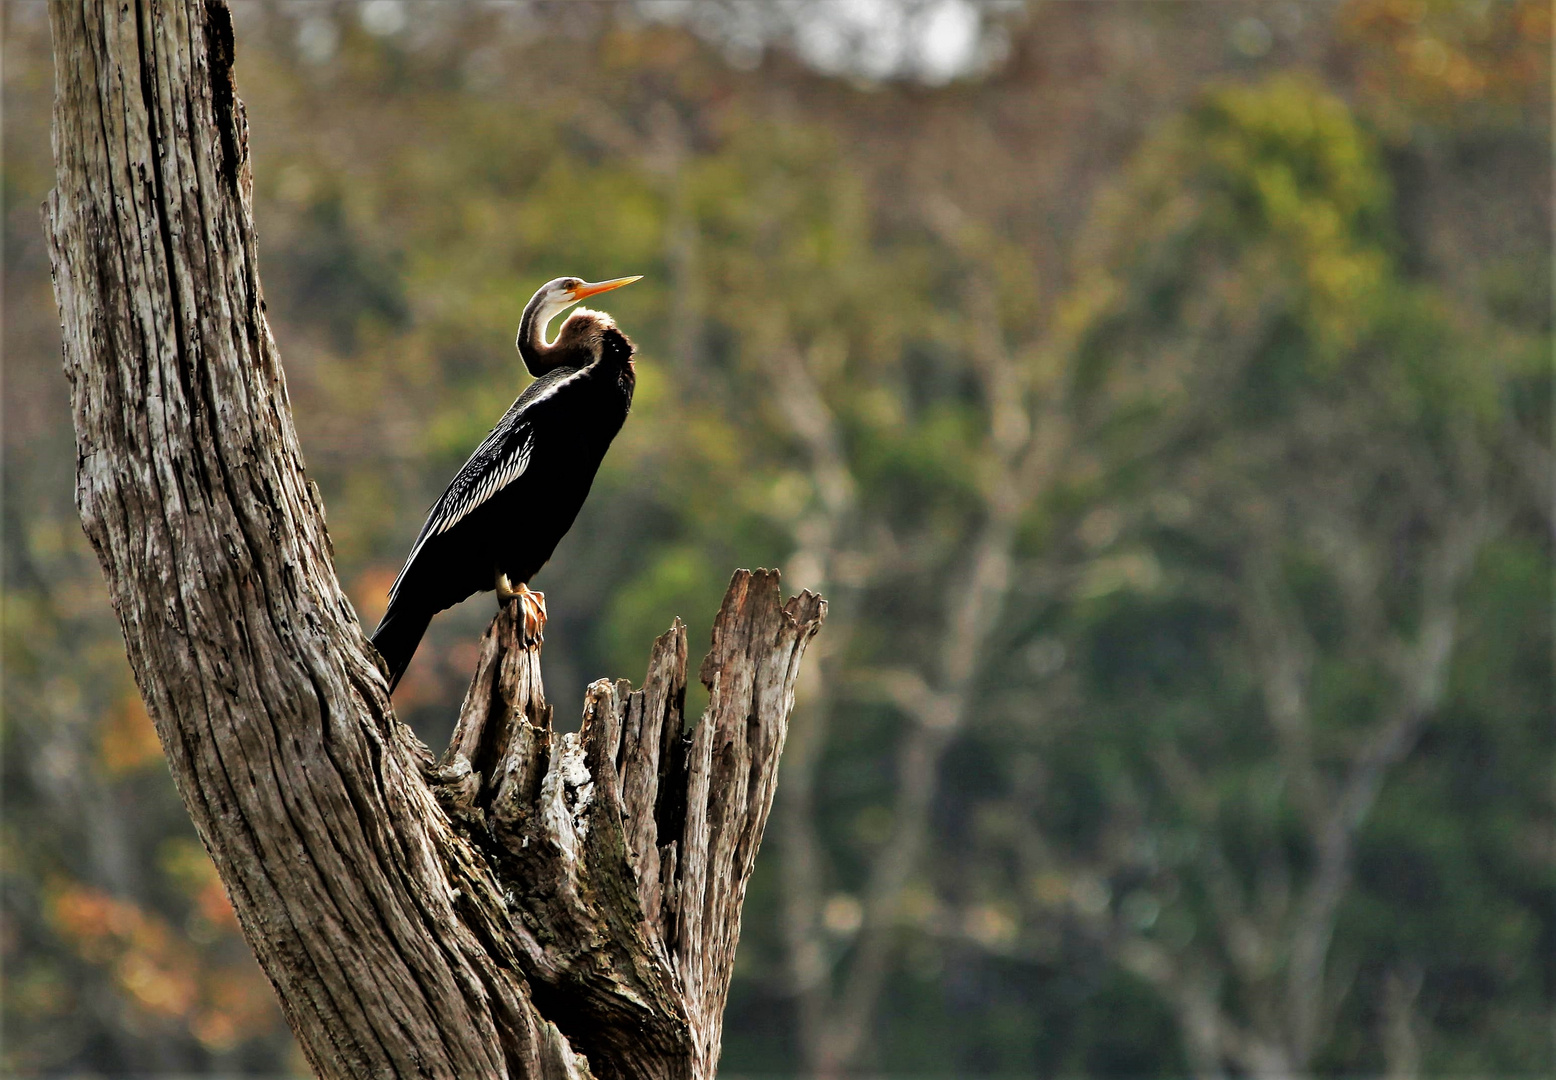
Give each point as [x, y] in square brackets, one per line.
[397, 637]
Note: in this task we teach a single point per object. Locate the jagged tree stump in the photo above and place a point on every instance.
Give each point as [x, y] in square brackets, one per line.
[624, 850]
[530, 906]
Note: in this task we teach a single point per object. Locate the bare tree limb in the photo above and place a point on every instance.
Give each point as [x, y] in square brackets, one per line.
[533, 906]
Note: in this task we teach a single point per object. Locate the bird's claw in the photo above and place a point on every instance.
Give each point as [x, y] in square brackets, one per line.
[532, 607]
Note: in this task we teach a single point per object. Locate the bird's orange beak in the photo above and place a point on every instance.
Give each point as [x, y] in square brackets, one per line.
[595, 288]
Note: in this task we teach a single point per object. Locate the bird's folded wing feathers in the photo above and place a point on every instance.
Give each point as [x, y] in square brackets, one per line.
[474, 485]
[501, 459]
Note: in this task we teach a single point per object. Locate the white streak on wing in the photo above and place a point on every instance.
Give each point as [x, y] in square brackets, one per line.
[506, 473]
[445, 516]
[556, 387]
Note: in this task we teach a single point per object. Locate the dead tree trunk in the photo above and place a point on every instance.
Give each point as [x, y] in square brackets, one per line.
[531, 906]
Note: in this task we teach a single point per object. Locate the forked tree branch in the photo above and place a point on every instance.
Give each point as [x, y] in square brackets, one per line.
[532, 906]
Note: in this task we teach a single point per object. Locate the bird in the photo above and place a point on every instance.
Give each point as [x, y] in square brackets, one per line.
[504, 512]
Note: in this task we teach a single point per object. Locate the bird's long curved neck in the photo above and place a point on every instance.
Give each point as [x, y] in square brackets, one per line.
[538, 356]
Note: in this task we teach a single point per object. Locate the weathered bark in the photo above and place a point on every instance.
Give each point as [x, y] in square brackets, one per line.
[530, 907]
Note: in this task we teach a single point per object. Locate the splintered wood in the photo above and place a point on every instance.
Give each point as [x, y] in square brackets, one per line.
[631, 842]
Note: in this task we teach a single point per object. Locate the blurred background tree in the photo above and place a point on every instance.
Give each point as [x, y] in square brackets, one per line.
[1161, 393]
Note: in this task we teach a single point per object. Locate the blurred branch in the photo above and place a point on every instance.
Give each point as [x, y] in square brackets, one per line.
[1247, 944]
[1275, 958]
[811, 421]
[1335, 810]
[1537, 466]
[1401, 1043]
[1421, 668]
[1284, 653]
[1023, 453]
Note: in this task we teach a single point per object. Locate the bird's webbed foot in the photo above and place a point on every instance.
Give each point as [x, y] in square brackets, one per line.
[532, 605]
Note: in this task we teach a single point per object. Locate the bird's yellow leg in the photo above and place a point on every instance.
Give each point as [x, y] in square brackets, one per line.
[505, 589]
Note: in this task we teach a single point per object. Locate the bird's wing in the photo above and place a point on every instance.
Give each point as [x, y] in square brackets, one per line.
[501, 459]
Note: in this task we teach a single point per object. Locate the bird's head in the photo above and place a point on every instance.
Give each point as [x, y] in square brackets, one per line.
[553, 298]
[557, 295]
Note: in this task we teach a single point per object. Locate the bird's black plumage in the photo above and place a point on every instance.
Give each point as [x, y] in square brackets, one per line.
[510, 504]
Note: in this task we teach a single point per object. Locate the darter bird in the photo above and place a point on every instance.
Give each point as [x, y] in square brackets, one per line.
[504, 512]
